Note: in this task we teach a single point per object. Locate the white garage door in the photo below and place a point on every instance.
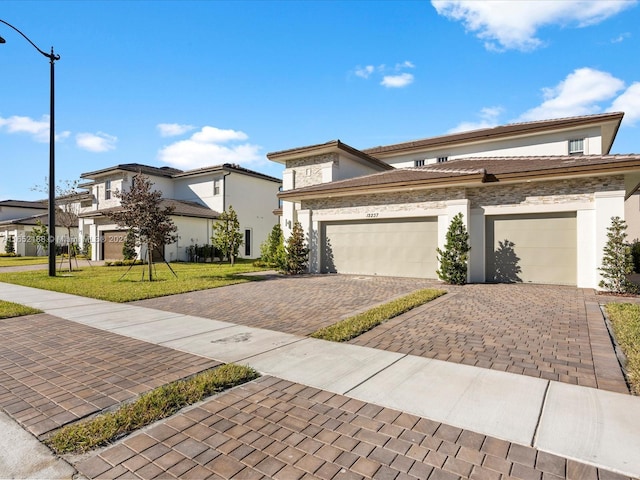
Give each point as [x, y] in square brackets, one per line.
[402, 248]
[532, 248]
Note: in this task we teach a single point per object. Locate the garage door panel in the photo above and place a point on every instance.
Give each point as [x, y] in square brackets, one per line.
[404, 247]
[532, 248]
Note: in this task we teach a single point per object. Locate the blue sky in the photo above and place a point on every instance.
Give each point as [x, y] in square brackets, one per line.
[190, 84]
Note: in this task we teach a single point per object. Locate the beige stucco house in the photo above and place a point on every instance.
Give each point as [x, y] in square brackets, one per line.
[537, 199]
[197, 196]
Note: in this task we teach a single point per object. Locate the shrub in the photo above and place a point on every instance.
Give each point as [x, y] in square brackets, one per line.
[617, 261]
[297, 253]
[453, 259]
[272, 250]
[10, 246]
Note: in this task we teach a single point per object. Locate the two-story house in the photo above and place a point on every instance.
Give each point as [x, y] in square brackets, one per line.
[536, 197]
[197, 196]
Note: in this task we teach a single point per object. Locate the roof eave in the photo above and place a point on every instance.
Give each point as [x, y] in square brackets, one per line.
[465, 180]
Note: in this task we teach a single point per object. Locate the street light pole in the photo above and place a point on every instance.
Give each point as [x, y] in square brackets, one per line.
[52, 151]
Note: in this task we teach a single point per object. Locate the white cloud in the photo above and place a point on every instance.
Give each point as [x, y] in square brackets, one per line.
[514, 24]
[38, 129]
[621, 38]
[580, 93]
[391, 76]
[364, 72]
[488, 118]
[206, 147]
[628, 102]
[96, 142]
[397, 81]
[173, 129]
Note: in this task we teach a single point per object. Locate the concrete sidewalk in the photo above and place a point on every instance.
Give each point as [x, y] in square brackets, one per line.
[596, 427]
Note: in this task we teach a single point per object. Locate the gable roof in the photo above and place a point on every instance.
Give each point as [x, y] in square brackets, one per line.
[181, 208]
[477, 170]
[510, 130]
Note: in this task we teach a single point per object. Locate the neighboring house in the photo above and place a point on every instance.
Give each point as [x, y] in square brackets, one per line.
[537, 199]
[19, 217]
[198, 196]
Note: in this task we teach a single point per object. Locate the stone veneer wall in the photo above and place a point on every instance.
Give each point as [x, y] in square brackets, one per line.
[315, 164]
[534, 193]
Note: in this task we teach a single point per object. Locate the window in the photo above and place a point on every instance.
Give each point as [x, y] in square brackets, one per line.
[247, 242]
[107, 189]
[419, 163]
[576, 146]
[216, 187]
[442, 159]
[279, 199]
[85, 203]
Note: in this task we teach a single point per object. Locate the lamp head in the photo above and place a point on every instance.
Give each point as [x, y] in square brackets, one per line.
[2, 40]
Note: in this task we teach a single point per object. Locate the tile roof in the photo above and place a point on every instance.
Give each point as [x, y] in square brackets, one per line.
[24, 203]
[230, 167]
[32, 220]
[134, 167]
[182, 208]
[496, 132]
[477, 170]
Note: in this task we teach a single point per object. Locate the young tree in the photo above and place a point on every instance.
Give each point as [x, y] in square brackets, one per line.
[10, 246]
[67, 209]
[226, 234]
[143, 214]
[272, 249]
[297, 253]
[40, 236]
[617, 261]
[453, 259]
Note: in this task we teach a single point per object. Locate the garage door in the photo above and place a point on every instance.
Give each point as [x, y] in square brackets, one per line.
[532, 248]
[113, 242]
[402, 248]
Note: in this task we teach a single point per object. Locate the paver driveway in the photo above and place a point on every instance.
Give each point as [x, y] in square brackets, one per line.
[545, 331]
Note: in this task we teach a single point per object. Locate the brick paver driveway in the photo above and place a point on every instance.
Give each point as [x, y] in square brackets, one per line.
[545, 331]
[53, 371]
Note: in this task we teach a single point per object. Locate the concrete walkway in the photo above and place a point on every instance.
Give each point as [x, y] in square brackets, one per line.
[596, 427]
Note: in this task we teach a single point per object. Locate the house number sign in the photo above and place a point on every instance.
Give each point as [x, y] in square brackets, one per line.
[372, 215]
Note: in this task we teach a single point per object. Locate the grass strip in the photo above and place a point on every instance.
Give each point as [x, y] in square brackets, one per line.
[107, 283]
[351, 327]
[625, 320]
[10, 309]
[150, 407]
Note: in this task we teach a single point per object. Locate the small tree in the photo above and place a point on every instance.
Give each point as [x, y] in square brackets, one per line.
[453, 259]
[272, 249]
[297, 253]
[617, 261]
[143, 214]
[226, 234]
[40, 236]
[10, 246]
[129, 246]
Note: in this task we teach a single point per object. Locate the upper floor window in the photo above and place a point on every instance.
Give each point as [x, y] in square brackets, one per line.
[107, 189]
[279, 199]
[216, 187]
[85, 203]
[442, 159]
[419, 163]
[576, 146]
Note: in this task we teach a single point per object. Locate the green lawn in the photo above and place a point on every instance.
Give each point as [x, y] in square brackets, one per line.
[104, 282]
[625, 320]
[10, 309]
[19, 261]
